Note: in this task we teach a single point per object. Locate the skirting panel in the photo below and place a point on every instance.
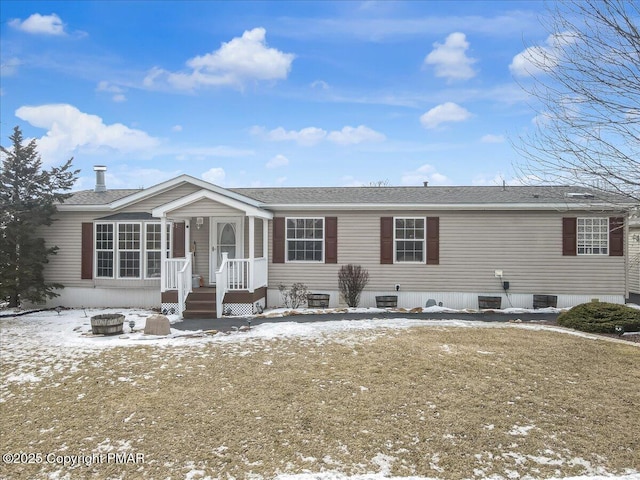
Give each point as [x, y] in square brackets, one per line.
[106, 297]
[456, 300]
[243, 309]
[169, 308]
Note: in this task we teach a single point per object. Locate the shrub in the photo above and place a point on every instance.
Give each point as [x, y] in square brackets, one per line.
[601, 317]
[294, 296]
[351, 281]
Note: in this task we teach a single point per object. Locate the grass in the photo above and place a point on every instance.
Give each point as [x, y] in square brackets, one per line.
[438, 402]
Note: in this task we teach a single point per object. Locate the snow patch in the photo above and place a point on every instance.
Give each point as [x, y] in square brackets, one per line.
[520, 430]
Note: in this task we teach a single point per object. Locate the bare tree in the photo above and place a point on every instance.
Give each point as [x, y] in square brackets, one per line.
[585, 88]
[379, 183]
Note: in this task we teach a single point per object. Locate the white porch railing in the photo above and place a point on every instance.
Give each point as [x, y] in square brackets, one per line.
[239, 274]
[259, 273]
[178, 273]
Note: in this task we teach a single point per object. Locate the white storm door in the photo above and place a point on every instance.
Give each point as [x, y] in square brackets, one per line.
[226, 236]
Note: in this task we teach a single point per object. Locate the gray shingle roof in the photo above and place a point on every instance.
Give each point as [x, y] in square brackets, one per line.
[89, 197]
[386, 195]
[419, 195]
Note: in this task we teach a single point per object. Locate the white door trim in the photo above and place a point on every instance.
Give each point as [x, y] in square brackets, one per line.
[213, 242]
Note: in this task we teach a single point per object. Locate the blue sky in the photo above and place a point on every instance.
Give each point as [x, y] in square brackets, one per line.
[272, 93]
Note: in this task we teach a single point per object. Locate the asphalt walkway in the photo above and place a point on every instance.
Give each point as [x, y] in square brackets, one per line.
[226, 324]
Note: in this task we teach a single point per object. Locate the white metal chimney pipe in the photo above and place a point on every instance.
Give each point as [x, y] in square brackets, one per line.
[101, 186]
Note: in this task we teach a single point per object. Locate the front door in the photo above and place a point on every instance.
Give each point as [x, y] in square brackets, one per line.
[226, 237]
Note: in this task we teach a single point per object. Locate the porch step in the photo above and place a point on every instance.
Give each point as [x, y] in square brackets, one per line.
[199, 314]
[201, 303]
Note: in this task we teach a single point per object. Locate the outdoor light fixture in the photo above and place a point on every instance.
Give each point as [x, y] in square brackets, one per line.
[199, 222]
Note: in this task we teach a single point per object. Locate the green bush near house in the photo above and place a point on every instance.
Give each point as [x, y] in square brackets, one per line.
[601, 317]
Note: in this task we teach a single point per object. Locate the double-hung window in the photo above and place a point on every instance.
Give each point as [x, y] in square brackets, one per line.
[129, 244]
[153, 247]
[593, 236]
[409, 240]
[305, 239]
[104, 250]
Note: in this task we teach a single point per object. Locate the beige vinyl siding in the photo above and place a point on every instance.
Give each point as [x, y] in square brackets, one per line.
[148, 204]
[526, 246]
[64, 267]
[634, 260]
[66, 234]
[205, 208]
[257, 237]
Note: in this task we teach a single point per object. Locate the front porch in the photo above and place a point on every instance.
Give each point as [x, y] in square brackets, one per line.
[215, 262]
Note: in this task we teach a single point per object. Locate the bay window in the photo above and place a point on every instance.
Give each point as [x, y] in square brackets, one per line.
[129, 250]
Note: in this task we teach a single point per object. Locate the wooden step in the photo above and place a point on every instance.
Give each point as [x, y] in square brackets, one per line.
[203, 293]
[199, 314]
[201, 303]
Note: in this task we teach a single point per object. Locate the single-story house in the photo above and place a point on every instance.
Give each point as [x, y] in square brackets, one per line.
[197, 249]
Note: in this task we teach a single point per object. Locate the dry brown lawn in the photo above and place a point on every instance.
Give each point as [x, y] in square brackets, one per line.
[449, 403]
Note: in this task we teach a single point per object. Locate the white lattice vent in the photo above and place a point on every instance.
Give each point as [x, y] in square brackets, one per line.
[169, 309]
[237, 309]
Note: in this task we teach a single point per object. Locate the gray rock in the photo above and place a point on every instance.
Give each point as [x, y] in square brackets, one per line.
[157, 325]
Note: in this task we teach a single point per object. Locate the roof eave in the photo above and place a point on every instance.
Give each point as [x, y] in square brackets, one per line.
[448, 206]
[84, 208]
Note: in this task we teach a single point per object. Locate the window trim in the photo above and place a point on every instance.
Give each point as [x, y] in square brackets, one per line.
[96, 250]
[140, 250]
[287, 240]
[151, 250]
[396, 240]
[606, 222]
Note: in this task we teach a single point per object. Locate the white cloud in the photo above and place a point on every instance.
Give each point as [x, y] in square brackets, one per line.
[70, 131]
[350, 135]
[176, 128]
[321, 84]
[128, 176]
[206, 153]
[9, 66]
[307, 136]
[278, 161]
[310, 136]
[446, 112]
[236, 62]
[491, 138]
[118, 92]
[541, 58]
[214, 175]
[450, 59]
[542, 119]
[351, 181]
[425, 173]
[40, 24]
